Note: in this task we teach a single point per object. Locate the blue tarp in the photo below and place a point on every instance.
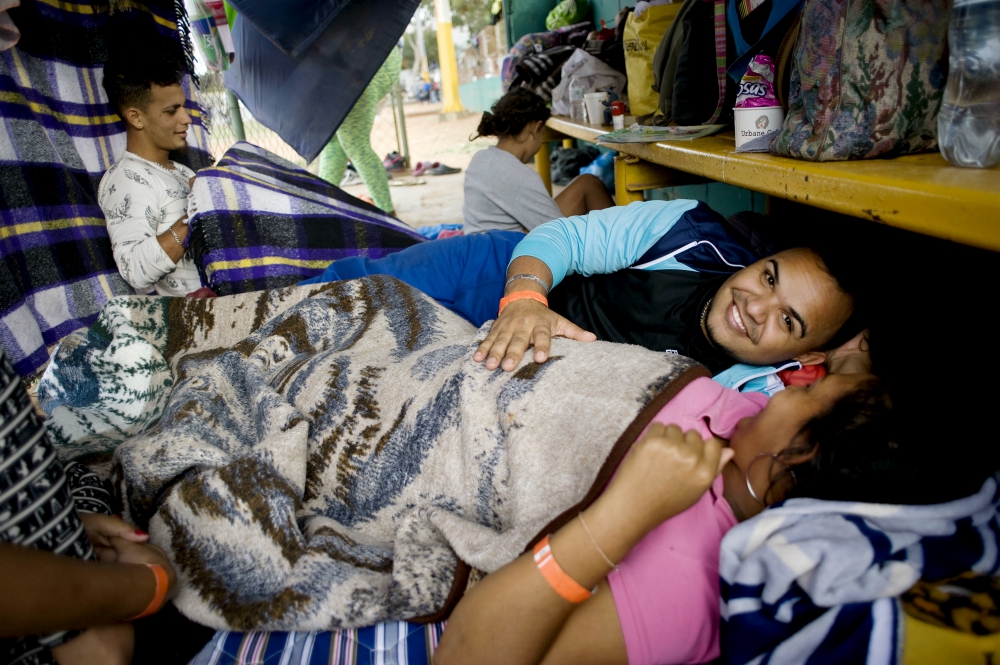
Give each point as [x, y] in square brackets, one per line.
[291, 25]
[305, 97]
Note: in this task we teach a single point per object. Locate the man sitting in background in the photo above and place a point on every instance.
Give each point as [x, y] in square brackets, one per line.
[144, 195]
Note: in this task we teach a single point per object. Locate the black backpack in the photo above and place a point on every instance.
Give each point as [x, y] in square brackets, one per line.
[694, 86]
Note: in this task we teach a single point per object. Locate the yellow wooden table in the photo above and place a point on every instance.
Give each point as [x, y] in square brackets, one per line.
[921, 193]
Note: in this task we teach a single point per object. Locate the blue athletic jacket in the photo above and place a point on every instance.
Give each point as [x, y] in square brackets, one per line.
[651, 235]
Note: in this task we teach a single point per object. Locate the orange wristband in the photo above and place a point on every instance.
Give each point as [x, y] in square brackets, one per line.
[521, 295]
[162, 586]
[557, 578]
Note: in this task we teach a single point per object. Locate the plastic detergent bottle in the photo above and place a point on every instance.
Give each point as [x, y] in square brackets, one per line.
[577, 89]
[969, 119]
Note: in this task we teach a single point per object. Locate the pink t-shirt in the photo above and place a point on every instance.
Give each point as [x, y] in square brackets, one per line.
[666, 590]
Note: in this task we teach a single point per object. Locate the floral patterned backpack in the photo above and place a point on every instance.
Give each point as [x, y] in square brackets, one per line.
[867, 79]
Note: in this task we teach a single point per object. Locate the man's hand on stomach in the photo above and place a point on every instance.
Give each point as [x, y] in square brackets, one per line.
[525, 323]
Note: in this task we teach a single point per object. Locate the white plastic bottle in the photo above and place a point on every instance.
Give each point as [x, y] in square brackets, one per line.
[969, 119]
[577, 109]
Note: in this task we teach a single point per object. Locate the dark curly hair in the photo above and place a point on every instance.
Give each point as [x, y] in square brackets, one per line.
[765, 236]
[511, 113]
[128, 79]
[858, 454]
[842, 267]
[870, 448]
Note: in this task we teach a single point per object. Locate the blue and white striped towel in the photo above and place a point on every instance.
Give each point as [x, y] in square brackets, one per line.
[385, 643]
[816, 582]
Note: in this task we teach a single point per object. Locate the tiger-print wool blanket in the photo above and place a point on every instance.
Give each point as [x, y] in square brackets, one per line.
[330, 456]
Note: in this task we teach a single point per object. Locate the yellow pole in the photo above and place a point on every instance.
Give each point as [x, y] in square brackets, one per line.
[446, 58]
[543, 164]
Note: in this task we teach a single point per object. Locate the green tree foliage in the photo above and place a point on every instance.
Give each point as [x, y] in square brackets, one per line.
[472, 13]
[430, 45]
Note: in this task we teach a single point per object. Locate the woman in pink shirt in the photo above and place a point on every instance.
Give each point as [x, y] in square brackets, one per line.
[649, 545]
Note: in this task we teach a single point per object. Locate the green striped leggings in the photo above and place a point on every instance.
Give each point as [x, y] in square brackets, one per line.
[353, 139]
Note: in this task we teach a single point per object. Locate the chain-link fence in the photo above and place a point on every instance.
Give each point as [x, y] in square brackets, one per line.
[388, 132]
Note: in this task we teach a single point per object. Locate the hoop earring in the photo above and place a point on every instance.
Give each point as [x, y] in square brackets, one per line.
[774, 458]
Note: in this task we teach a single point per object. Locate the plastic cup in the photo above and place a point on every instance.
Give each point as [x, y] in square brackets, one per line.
[757, 121]
[595, 109]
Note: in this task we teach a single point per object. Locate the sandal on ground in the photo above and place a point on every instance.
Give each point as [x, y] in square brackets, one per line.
[442, 169]
[394, 162]
[422, 167]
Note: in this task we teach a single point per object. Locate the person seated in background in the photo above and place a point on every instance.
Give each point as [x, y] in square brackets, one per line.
[501, 192]
[64, 571]
[144, 194]
[666, 275]
[649, 545]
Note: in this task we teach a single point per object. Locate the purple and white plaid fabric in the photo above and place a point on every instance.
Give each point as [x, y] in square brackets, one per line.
[56, 266]
[260, 222]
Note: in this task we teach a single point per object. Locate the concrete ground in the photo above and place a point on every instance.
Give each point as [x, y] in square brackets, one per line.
[436, 199]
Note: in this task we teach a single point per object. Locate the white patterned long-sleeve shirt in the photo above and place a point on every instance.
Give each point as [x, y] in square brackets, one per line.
[141, 200]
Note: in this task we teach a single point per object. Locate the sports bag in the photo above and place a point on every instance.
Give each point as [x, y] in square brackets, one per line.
[690, 68]
[536, 42]
[541, 72]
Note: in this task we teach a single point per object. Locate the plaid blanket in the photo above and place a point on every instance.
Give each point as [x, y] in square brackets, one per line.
[386, 643]
[56, 266]
[260, 222]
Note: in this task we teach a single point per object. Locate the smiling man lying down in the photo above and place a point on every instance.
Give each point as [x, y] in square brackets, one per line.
[666, 275]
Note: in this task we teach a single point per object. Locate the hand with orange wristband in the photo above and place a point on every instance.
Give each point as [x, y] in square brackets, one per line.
[524, 319]
[46, 593]
[555, 604]
[163, 574]
[117, 541]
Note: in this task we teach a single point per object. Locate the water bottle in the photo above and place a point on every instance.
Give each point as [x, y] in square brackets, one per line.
[577, 110]
[969, 119]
